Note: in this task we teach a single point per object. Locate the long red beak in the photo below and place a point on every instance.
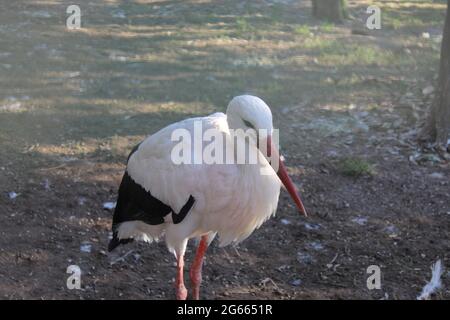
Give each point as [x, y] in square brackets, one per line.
[284, 177]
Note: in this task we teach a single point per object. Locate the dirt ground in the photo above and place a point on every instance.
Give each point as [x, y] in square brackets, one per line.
[74, 102]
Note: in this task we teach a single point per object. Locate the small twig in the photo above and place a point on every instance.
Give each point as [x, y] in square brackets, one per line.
[53, 168]
[122, 258]
[338, 285]
[237, 252]
[228, 256]
[266, 280]
[334, 259]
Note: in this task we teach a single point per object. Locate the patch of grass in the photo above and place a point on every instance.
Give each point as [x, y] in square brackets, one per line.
[368, 55]
[243, 27]
[320, 44]
[355, 167]
[302, 30]
[413, 17]
[351, 80]
[327, 27]
[343, 54]
[397, 21]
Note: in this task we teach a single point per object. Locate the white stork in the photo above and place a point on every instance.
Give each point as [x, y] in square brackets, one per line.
[184, 201]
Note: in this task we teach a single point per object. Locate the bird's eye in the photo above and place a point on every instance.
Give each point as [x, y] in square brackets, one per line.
[248, 124]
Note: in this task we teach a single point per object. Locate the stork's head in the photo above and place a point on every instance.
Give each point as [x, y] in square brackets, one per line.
[250, 112]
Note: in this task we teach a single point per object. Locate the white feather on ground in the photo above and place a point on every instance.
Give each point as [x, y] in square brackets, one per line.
[435, 282]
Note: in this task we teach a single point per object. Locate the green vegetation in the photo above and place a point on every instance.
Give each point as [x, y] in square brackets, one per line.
[356, 167]
[302, 30]
[327, 27]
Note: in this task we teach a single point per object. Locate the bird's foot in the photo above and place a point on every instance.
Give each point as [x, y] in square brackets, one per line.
[181, 292]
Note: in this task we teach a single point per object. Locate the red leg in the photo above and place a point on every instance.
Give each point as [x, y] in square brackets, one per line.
[196, 268]
[179, 282]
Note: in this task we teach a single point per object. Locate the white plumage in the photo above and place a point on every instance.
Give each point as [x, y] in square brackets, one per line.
[231, 200]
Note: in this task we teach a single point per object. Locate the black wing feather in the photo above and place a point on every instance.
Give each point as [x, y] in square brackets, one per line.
[136, 203]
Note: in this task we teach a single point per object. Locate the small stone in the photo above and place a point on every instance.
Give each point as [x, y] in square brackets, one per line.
[46, 184]
[391, 230]
[360, 220]
[304, 257]
[296, 282]
[86, 247]
[437, 175]
[312, 226]
[316, 245]
[12, 195]
[109, 205]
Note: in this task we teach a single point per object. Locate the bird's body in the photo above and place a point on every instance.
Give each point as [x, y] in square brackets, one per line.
[182, 201]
